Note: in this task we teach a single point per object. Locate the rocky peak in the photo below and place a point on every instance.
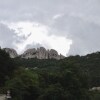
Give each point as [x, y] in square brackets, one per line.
[30, 53]
[53, 54]
[12, 53]
[41, 53]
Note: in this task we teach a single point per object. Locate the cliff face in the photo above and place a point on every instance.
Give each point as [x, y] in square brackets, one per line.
[12, 53]
[39, 53]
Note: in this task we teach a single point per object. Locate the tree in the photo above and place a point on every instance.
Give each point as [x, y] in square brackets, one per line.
[24, 85]
[6, 67]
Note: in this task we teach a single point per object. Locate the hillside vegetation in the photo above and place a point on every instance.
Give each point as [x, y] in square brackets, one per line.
[67, 79]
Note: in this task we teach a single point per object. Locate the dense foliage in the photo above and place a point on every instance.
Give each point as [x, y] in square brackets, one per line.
[67, 79]
[6, 67]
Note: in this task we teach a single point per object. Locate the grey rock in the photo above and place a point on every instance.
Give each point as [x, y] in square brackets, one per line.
[95, 89]
[12, 53]
[30, 53]
[41, 53]
[53, 54]
[61, 56]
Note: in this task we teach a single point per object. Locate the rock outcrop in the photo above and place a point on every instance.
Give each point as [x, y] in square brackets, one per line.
[41, 53]
[30, 53]
[12, 53]
[53, 54]
[95, 89]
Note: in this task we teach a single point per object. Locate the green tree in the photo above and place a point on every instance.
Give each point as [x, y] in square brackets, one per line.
[6, 67]
[24, 85]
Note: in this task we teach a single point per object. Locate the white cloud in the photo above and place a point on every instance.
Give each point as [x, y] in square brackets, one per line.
[57, 16]
[78, 20]
[36, 33]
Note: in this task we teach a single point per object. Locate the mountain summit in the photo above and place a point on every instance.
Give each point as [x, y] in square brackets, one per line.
[39, 53]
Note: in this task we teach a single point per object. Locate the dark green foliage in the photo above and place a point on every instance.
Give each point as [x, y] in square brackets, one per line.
[42, 84]
[66, 79]
[95, 95]
[24, 85]
[6, 67]
[31, 63]
[54, 92]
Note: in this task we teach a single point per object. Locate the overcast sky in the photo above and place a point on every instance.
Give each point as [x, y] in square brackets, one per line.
[69, 26]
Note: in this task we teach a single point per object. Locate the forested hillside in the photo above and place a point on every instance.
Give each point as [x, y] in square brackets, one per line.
[89, 64]
[67, 79]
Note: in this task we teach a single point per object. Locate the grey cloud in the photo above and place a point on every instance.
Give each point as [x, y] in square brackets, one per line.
[37, 10]
[32, 46]
[80, 21]
[85, 35]
[8, 37]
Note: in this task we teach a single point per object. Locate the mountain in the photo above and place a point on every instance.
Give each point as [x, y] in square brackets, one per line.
[12, 53]
[39, 53]
[72, 78]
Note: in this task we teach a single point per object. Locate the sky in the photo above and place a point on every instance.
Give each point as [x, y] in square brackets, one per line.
[72, 27]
